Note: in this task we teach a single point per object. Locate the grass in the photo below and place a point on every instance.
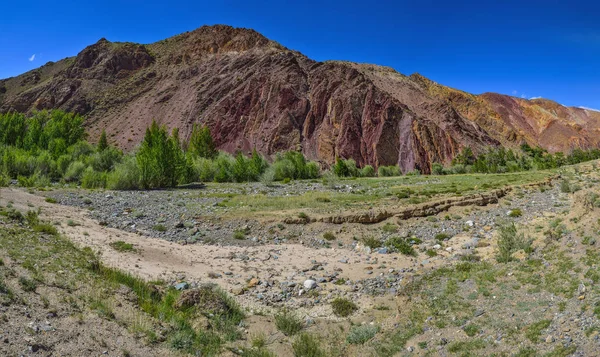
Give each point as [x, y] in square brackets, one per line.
[159, 228]
[199, 328]
[121, 246]
[440, 237]
[534, 330]
[50, 200]
[515, 212]
[343, 307]
[371, 242]
[72, 223]
[288, 322]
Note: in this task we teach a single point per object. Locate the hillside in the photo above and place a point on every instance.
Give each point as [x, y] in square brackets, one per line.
[255, 93]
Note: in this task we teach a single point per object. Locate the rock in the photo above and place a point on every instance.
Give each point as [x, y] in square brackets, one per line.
[549, 339]
[309, 284]
[182, 286]
[449, 249]
[383, 250]
[253, 282]
[470, 223]
[437, 247]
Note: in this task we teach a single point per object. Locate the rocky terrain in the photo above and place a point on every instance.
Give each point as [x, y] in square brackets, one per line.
[255, 93]
[431, 285]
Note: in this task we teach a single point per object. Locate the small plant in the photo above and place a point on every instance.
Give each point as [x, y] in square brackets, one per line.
[371, 242]
[359, 335]
[534, 331]
[121, 246]
[516, 212]
[431, 253]
[556, 229]
[303, 216]
[288, 322]
[510, 241]
[390, 228]
[159, 228]
[307, 345]
[27, 285]
[441, 237]
[343, 307]
[471, 330]
[565, 186]
[50, 200]
[72, 223]
[45, 228]
[239, 234]
[328, 235]
[401, 245]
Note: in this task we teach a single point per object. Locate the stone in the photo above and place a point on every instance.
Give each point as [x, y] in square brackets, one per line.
[182, 286]
[309, 284]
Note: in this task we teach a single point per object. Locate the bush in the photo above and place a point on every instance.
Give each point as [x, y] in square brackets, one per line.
[106, 159]
[288, 322]
[401, 245]
[125, 176]
[306, 345]
[565, 186]
[328, 235]
[343, 307]
[293, 165]
[367, 171]
[388, 171]
[510, 241]
[75, 171]
[437, 169]
[93, 179]
[359, 335]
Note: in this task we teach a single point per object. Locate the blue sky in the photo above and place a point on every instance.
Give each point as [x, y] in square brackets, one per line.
[524, 48]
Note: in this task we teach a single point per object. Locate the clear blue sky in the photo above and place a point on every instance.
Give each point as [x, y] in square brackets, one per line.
[525, 48]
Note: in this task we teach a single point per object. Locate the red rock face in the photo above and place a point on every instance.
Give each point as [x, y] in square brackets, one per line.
[254, 93]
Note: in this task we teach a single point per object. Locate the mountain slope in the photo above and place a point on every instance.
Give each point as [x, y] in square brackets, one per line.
[255, 93]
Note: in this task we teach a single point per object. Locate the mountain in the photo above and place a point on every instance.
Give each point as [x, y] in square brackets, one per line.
[255, 93]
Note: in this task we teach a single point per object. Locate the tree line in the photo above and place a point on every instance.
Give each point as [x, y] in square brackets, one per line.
[52, 146]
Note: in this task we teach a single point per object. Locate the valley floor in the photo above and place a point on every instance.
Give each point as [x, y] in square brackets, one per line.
[448, 294]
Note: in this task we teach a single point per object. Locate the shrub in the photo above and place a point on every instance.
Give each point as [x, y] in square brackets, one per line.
[343, 307]
[401, 245]
[93, 179]
[125, 176]
[75, 171]
[510, 241]
[328, 235]
[367, 171]
[516, 212]
[359, 335]
[121, 246]
[306, 345]
[159, 228]
[371, 242]
[388, 171]
[106, 159]
[288, 322]
[437, 169]
[565, 186]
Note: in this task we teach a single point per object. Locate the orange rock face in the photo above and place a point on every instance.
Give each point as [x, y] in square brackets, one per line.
[255, 93]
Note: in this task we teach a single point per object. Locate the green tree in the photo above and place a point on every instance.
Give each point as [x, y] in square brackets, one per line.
[201, 142]
[158, 158]
[103, 142]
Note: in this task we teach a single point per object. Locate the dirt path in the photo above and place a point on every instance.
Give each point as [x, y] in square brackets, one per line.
[231, 267]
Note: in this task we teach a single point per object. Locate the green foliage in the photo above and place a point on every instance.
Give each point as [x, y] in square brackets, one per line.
[121, 246]
[343, 307]
[125, 176]
[401, 245]
[288, 322]
[93, 179]
[307, 345]
[437, 169]
[534, 330]
[159, 158]
[328, 235]
[360, 335]
[510, 241]
[294, 165]
[201, 142]
[388, 171]
[102, 142]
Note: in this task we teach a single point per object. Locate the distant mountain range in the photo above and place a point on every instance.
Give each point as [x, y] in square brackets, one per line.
[255, 93]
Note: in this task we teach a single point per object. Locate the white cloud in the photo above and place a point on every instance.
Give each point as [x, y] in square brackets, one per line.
[32, 58]
[592, 109]
[532, 98]
[524, 96]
